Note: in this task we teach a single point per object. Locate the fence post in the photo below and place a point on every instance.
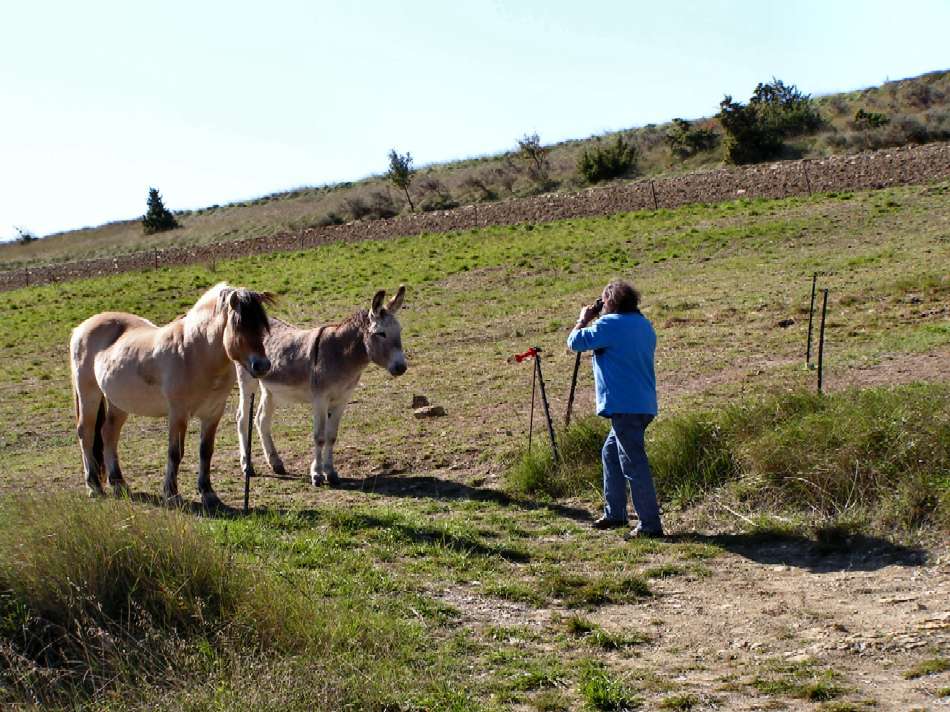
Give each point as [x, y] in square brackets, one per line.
[805, 173]
[821, 339]
[811, 318]
[656, 204]
[27, 277]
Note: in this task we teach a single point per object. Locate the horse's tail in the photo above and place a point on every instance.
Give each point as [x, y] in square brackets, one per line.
[97, 441]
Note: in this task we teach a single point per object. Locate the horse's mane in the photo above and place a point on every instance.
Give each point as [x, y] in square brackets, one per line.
[250, 310]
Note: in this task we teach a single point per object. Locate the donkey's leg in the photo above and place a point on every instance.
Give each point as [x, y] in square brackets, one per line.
[246, 386]
[177, 427]
[265, 416]
[209, 427]
[115, 419]
[89, 401]
[333, 424]
[319, 439]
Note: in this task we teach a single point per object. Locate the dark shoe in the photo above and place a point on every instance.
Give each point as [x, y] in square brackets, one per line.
[639, 532]
[604, 523]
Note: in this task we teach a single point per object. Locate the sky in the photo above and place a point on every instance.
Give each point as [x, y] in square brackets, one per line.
[214, 102]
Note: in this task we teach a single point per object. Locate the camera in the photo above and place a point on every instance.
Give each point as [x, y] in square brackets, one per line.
[598, 305]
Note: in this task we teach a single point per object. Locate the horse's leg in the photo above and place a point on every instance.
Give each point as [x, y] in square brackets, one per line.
[115, 419]
[177, 427]
[89, 403]
[319, 439]
[209, 428]
[246, 386]
[265, 416]
[333, 424]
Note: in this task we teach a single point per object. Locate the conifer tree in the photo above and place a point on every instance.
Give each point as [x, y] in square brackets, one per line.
[158, 218]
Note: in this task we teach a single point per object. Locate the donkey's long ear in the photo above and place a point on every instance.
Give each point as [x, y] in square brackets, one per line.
[396, 301]
[378, 301]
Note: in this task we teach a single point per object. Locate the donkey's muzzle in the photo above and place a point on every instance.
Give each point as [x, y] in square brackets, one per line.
[260, 365]
[398, 369]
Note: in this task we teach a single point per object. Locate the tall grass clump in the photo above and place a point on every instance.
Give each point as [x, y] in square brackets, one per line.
[579, 469]
[93, 592]
[881, 454]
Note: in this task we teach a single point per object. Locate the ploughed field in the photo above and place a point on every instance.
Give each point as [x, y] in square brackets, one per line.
[428, 580]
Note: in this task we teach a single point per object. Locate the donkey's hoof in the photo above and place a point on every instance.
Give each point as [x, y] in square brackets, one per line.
[316, 480]
[210, 501]
[174, 501]
[333, 478]
[278, 467]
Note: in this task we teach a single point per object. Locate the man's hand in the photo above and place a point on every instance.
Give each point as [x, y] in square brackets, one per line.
[587, 315]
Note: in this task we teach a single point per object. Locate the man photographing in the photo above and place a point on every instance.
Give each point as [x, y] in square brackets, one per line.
[623, 342]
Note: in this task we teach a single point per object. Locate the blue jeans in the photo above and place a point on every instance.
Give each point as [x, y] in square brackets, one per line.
[625, 460]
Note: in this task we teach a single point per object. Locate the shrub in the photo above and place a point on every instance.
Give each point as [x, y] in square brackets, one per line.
[605, 162]
[330, 218]
[784, 109]
[157, 218]
[754, 132]
[748, 140]
[864, 120]
[374, 206]
[684, 140]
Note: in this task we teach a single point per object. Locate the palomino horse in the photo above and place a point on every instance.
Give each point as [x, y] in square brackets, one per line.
[321, 367]
[122, 363]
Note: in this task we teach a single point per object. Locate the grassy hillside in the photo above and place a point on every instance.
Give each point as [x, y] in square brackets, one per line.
[917, 110]
[424, 582]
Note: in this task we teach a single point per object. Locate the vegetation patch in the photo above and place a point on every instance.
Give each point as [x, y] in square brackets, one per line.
[881, 453]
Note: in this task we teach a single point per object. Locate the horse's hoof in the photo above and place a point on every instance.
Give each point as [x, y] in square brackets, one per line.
[174, 501]
[333, 478]
[278, 468]
[210, 501]
[316, 480]
[121, 490]
[95, 492]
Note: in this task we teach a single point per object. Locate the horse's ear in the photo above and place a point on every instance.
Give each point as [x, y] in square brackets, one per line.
[378, 301]
[234, 300]
[396, 301]
[268, 298]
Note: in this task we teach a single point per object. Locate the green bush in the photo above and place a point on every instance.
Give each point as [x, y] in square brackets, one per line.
[602, 163]
[864, 120]
[755, 131]
[883, 453]
[685, 140]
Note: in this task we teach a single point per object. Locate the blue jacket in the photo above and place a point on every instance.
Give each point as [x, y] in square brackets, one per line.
[624, 377]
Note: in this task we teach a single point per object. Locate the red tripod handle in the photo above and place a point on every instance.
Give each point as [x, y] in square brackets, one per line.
[530, 353]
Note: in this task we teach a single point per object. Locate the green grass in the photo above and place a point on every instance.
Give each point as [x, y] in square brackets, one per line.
[603, 691]
[879, 452]
[931, 666]
[406, 572]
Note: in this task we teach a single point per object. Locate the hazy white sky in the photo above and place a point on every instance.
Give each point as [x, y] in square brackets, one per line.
[213, 102]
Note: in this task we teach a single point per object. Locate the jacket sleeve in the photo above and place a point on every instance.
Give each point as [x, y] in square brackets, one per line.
[595, 336]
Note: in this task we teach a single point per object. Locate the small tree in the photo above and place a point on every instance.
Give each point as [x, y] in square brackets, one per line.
[784, 109]
[536, 156]
[401, 173]
[158, 218]
[25, 235]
